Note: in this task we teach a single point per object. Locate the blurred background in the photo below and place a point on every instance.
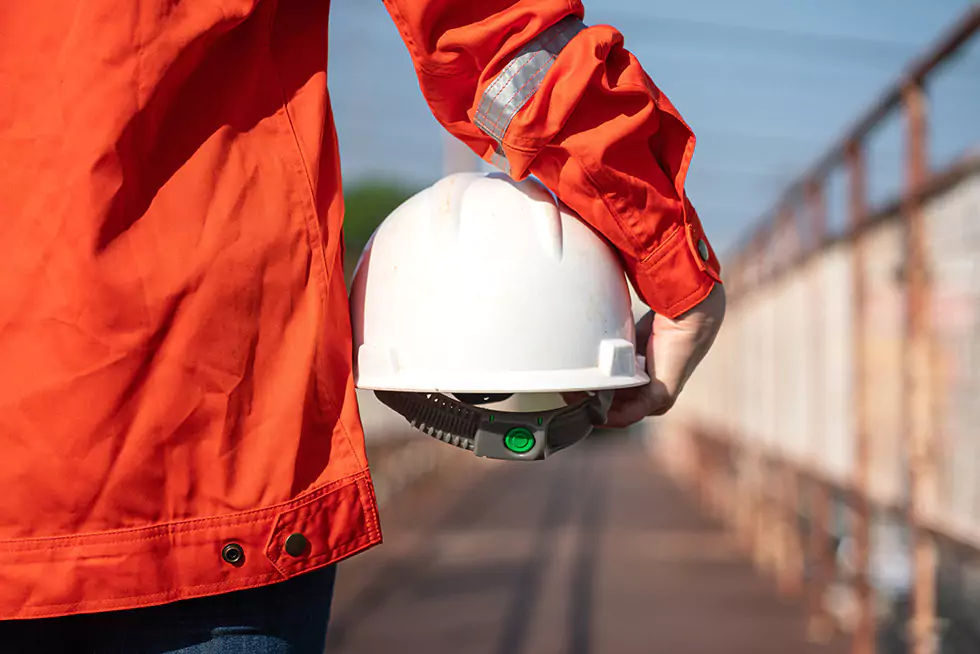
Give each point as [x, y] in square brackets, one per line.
[818, 486]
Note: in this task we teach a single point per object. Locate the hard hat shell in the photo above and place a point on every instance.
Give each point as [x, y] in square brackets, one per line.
[483, 284]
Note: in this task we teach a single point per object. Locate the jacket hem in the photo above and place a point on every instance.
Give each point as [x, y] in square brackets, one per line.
[148, 566]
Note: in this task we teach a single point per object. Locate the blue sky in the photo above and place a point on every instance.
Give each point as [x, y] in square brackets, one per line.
[767, 86]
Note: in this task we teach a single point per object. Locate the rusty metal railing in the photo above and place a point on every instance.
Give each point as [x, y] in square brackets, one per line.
[847, 379]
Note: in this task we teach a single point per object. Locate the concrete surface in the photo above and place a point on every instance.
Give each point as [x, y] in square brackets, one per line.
[589, 552]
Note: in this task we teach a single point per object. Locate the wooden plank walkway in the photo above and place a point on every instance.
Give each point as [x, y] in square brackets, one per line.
[590, 552]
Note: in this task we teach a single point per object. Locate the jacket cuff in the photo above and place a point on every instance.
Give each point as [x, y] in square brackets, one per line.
[679, 274]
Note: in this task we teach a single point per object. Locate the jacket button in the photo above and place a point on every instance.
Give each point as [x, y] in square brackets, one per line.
[233, 553]
[296, 545]
[703, 250]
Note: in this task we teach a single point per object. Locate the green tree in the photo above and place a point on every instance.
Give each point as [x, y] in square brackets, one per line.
[366, 204]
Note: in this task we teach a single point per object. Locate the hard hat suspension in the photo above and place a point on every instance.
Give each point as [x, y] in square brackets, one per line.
[509, 435]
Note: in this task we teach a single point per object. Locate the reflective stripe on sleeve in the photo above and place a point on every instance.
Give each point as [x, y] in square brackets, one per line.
[520, 80]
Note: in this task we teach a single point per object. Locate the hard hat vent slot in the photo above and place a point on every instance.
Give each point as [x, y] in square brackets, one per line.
[482, 398]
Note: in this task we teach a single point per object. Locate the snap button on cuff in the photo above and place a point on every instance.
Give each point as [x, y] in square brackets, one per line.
[703, 250]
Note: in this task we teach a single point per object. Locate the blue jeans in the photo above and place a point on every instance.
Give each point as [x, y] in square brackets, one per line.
[286, 618]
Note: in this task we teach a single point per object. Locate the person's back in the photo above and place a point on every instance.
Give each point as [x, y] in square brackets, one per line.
[177, 415]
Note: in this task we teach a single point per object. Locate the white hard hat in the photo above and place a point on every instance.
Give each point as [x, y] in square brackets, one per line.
[481, 285]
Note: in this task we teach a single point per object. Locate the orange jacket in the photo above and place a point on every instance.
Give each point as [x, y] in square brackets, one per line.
[175, 395]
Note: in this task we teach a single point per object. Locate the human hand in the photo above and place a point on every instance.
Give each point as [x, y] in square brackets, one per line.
[674, 348]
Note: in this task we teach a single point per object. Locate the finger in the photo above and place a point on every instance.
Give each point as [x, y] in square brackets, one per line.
[625, 402]
[629, 413]
[651, 399]
[624, 396]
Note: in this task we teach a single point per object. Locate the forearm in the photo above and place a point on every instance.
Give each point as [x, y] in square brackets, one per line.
[529, 88]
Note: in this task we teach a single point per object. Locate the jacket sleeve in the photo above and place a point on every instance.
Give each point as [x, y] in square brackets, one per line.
[533, 90]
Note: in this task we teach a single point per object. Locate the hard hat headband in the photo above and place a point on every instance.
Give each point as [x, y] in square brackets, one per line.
[509, 435]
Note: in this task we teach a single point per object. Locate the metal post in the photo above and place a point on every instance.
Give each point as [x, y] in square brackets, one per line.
[791, 578]
[820, 625]
[864, 633]
[767, 521]
[710, 482]
[790, 570]
[701, 470]
[918, 373]
[744, 504]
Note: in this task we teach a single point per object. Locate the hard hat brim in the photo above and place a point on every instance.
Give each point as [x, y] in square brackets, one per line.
[552, 381]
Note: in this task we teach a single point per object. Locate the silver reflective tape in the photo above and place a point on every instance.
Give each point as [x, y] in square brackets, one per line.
[499, 159]
[522, 77]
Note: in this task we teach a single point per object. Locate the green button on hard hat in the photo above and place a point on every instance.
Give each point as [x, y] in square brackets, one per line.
[519, 440]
